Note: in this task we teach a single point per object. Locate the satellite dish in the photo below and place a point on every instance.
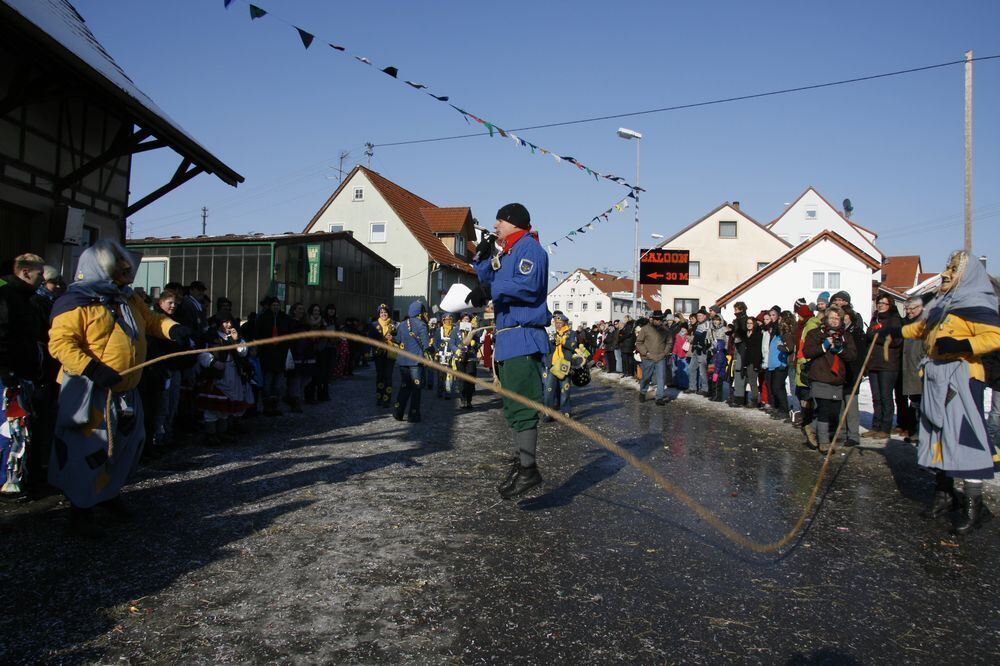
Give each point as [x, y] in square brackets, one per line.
[848, 208]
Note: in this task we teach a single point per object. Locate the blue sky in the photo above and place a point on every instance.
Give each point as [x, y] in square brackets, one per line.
[280, 115]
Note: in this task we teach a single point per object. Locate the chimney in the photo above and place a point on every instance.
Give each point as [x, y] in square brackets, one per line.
[736, 205]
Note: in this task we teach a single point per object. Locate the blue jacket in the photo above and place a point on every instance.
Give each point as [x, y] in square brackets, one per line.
[415, 343]
[454, 340]
[519, 289]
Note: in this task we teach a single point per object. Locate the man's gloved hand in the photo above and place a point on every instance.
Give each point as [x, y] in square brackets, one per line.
[952, 346]
[885, 331]
[486, 247]
[102, 376]
[181, 335]
[480, 295]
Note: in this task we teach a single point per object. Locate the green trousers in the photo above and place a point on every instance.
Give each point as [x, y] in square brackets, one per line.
[521, 375]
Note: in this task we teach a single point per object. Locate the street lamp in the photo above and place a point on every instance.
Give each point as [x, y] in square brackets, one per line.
[628, 135]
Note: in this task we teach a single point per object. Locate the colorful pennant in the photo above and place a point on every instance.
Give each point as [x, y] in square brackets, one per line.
[491, 127]
[618, 206]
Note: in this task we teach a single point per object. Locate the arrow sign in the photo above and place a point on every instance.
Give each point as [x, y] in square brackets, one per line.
[663, 266]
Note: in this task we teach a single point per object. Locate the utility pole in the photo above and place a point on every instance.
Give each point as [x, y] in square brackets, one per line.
[344, 154]
[968, 151]
[204, 217]
[370, 152]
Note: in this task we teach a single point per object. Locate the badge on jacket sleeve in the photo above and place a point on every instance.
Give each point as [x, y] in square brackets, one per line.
[525, 266]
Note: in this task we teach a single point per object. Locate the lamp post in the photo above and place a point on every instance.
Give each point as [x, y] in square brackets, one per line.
[628, 135]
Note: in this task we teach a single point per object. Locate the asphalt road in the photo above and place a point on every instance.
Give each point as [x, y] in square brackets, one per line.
[343, 536]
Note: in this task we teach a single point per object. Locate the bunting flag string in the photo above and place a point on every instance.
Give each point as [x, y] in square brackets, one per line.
[618, 206]
[307, 38]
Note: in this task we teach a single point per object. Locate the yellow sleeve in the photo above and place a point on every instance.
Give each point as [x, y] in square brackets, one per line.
[914, 331]
[156, 324]
[984, 338]
[66, 339]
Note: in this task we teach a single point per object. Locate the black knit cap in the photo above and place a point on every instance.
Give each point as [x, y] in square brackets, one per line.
[516, 214]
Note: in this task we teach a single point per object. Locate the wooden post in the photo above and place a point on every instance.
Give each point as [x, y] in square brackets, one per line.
[968, 151]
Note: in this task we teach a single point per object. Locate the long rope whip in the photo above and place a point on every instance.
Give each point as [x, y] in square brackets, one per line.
[643, 467]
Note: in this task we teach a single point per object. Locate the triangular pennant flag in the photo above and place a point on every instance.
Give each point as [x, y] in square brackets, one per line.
[548, 249]
[590, 226]
[339, 48]
[256, 12]
[440, 99]
[489, 126]
[555, 244]
[226, 3]
[632, 194]
[391, 71]
[624, 203]
[572, 233]
[543, 151]
[363, 59]
[570, 160]
[514, 136]
[306, 38]
[581, 231]
[558, 159]
[570, 239]
[532, 146]
[596, 219]
[419, 86]
[502, 133]
[605, 216]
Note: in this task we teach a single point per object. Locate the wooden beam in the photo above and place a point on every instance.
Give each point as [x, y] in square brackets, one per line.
[184, 173]
[124, 143]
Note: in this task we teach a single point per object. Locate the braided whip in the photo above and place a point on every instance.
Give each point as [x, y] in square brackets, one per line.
[643, 467]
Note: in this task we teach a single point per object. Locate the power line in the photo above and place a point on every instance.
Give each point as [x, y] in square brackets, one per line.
[679, 107]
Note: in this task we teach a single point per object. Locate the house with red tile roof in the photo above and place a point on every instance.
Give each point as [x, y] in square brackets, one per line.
[810, 214]
[726, 247]
[430, 246]
[901, 273]
[587, 297]
[827, 262]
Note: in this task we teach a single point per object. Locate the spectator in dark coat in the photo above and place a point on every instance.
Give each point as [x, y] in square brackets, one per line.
[271, 323]
[626, 343]
[884, 366]
[828, 349]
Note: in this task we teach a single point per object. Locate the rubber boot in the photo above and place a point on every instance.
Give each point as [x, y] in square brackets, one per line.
[945, 497]
[974, 512]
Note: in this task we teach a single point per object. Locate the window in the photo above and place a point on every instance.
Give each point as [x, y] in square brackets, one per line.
[459, 245]
[359, 194]
[761, 265]
[810, 213]
[569, 305]
[686, 305]
[833, 280]
[694, 269]
[591, 290]
[398, 280]
[598, 305]
[377, 232]
[583, 306]
[819, 280]
[727, 229]
[440, 280]
[555, 305]
[336, 227]
[572, 290]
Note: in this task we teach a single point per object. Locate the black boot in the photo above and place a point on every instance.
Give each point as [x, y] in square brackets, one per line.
[508, 479]
[945, 497]
[525, 479]
[397, 412]
[974, 512]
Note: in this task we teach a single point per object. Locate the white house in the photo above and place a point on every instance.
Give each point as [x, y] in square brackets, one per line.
[429, 246]
[587, 297]
[826, 262]
[811, 214]
[727, 246]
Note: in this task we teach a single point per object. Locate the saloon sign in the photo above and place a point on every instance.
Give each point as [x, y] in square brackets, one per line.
[658, 266]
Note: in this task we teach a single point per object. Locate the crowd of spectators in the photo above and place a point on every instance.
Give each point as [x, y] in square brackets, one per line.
[202, 398]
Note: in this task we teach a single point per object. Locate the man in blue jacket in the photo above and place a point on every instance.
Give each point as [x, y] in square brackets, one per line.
[412, 336]
[515, 278]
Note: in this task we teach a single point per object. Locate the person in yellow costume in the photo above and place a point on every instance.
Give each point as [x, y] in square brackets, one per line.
[958, 327]
[383, 329]
[556, 374]
[99, 329]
